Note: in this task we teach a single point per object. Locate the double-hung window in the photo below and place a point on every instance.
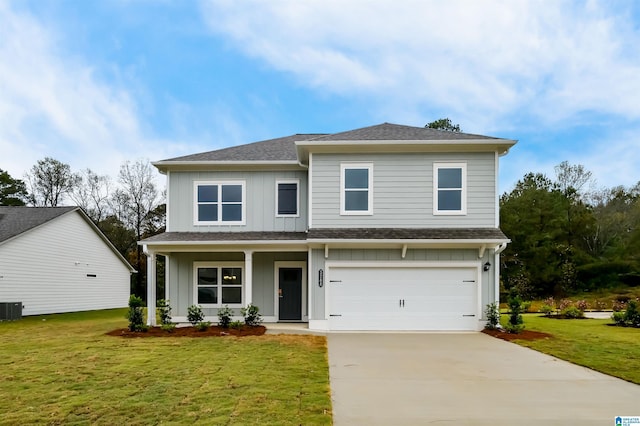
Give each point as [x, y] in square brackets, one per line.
[217, 285]
[287, 198]
[356, 189]
[219, 203]
[449, 188]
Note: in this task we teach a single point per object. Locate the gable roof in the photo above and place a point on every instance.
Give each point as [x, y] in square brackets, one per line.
[15, 221]
[293, 150]
[398, 132]
[279, 149]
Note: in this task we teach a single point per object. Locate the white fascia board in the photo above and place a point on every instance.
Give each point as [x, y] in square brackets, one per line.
[401, 242]
[501, 146]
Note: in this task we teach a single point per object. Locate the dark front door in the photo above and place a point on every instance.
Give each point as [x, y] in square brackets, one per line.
[290, 292]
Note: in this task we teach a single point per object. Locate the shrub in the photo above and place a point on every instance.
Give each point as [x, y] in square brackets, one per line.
[515, 324]
[251, 315]
[564, 304]
[135, 314]
[164, 310]
[203, 325]
[632, 314]
[572, 312]
[618, 306]
[169, 327]
[513, 329]
[195, 314]
[548, 306]
[619, 318]
[582, 305]
[493, 316]
[236, 324]
[224, 316]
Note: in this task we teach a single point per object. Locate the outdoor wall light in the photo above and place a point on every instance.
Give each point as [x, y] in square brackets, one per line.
[486, 266]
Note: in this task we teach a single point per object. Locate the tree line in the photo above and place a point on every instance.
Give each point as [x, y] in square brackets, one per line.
[567, 235]
[126, 210]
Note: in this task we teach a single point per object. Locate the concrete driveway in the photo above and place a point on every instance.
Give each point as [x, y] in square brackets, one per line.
[465, 379]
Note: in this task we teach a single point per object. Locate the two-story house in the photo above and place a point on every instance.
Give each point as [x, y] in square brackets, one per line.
[387, 227]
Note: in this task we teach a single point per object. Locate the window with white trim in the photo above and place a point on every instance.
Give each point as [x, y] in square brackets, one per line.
[219, 203]
[287, 198]
[218, 284]
[356, 189]
[449, 188]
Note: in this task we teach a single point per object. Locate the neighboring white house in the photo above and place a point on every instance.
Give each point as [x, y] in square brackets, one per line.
[54, 259]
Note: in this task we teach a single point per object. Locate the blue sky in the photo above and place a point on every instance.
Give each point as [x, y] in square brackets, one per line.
[95, 83]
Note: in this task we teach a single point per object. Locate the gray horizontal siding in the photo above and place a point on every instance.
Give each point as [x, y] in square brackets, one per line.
[260, 198]
[403, 191]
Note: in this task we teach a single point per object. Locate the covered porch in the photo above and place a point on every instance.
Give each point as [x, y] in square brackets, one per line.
[213, 270]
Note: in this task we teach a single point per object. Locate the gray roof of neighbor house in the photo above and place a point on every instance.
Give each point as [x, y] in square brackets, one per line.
[16, 220]
[284, 149]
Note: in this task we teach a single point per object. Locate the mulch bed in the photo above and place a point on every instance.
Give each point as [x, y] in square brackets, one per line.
[523, 335]
[213, 331]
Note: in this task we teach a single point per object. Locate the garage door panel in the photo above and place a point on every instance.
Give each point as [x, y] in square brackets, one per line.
[384, 298]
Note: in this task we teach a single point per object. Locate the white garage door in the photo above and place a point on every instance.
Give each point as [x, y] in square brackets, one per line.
[402, 298]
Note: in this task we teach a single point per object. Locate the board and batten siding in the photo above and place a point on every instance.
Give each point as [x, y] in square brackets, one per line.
[180, 280]
[260, 190]
[62, 266]
[403, 191]
[438, 257]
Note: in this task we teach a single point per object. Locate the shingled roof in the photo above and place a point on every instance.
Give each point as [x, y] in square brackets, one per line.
[397, 132]
[16, 220]
[279, 149]
[284, 149]
[492, 234]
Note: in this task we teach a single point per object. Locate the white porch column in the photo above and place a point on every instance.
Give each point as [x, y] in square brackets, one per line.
[151, 288]
[248, 277]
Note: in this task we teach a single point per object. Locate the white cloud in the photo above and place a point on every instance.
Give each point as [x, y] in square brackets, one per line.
[51, 104]
[481, 62]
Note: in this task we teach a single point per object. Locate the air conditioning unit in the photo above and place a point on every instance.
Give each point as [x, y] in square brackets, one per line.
[10, 311]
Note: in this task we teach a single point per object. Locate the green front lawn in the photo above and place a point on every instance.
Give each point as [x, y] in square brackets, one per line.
[589, 342]
[63, 369]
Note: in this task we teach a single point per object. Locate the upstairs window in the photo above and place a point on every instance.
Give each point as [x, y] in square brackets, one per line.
[219, 203]
[356, 189]
[449, 182]
[287, 198]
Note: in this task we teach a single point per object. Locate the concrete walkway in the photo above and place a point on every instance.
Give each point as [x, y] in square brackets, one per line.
[466, 379]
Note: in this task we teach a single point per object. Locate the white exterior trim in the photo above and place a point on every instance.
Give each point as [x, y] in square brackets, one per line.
[463, 195]
[277, 197]
[310, 192]
[304, 298]
[361, 166]
[497, 188]
[219, 183]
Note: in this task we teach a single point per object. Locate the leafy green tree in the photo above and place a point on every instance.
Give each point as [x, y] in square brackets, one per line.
[13, 192]
[532, 215]
[443, 124]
